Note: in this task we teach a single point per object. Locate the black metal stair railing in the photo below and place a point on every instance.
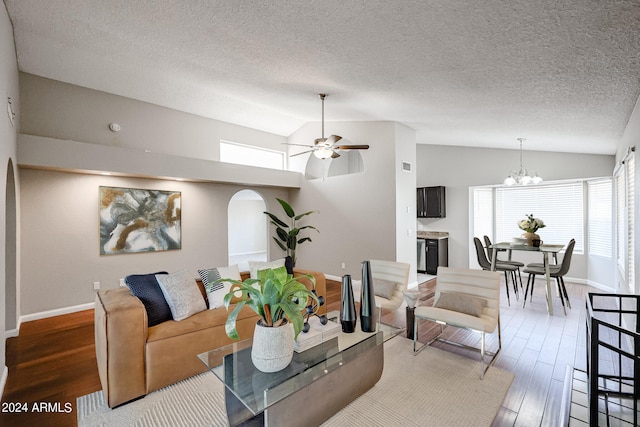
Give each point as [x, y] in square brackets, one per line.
[613, 347]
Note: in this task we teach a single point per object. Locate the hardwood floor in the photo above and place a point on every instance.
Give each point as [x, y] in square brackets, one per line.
[53, 360]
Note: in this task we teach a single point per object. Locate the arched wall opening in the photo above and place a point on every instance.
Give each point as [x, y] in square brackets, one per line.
[247, 229]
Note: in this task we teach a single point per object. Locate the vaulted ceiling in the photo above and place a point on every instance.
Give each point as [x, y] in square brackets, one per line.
[563, 74]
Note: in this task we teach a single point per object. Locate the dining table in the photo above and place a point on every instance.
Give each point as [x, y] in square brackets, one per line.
[545, 249]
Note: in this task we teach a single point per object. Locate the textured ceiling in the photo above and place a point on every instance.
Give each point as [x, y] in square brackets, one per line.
[563, 74]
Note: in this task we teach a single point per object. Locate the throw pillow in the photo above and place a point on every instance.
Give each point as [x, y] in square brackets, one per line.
[182, 294]
[255, 266]
[384, 288]
[217, 291]
[461, 303]
[147, 289]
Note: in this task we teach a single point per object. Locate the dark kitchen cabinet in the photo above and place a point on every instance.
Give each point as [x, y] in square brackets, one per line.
[431, 202]
[437, 254]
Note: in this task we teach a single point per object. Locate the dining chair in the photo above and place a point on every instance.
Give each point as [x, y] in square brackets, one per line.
[487, 242]
[485, 264]
[557, 272]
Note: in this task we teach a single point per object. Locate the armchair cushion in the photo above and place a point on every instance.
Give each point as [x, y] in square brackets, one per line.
[461, 303]
[147, 289]
[384, 288]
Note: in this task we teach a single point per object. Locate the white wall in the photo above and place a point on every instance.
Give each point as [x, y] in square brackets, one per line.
[405, 195]
[8, 137]
[458, 168]
[631, 138]
[357, 219]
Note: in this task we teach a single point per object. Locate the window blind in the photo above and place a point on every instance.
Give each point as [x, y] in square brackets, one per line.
[621, 201]
[630, 172]
[560, 206]
[599, 218]
[483, 212]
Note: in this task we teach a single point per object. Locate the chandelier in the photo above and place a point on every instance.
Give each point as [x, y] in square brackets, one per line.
[522, 177]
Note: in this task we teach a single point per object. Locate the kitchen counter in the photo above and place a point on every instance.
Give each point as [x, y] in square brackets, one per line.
[422, 234]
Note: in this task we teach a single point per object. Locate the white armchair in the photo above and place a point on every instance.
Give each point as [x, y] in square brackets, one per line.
[468, 299]
[385, 273]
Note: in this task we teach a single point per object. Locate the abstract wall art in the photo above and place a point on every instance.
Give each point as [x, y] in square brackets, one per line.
[134, 220]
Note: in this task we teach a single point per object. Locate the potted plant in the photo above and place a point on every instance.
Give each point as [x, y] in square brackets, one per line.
[287, 235]
[279, 299]
[530, 225]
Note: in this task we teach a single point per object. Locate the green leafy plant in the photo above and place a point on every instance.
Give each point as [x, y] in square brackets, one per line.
[288, 235]
[274, 296]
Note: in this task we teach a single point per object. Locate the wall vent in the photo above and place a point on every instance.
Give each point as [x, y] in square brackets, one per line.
[406, 166]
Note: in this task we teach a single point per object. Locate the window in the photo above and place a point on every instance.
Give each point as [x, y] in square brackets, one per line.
[625, 212]
[560, 206]
[599, 227]
[483, 212]
[231, 152]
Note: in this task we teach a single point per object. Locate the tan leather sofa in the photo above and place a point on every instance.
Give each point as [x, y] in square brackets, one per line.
[134, 359]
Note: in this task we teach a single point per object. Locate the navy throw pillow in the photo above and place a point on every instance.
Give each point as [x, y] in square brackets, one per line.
[147, 289]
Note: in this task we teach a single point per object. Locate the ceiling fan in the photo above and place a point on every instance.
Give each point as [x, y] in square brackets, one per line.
[323, 148]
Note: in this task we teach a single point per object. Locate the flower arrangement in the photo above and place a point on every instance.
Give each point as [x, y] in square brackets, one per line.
[531, 224]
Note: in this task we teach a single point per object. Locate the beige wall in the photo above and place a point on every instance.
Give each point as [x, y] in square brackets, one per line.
[59, 110]
[60, 234]
[9, 199]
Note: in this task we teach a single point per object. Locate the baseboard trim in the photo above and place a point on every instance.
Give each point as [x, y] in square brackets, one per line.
[12, 332]
[3, 380]
[56, 312]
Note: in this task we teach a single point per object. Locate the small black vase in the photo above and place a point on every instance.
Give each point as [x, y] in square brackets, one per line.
[367, 300]
[348, 306]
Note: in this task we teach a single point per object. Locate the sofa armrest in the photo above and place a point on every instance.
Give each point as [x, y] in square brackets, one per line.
[121, 334]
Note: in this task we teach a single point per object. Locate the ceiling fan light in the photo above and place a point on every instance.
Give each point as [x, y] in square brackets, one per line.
[323, 153]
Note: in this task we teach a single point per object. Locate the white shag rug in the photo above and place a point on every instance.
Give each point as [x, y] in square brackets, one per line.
[434, 388]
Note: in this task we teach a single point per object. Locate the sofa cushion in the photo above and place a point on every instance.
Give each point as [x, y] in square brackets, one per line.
[255, 266]
[462, 303]
[217, 291]
[182, 294]
[147, 289]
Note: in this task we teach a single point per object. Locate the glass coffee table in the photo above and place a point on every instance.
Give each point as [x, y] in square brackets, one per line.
[317, 383]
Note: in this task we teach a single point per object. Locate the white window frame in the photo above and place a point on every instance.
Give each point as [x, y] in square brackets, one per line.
[257, 152]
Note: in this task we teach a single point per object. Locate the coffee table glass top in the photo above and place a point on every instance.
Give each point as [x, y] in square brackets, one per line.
[258, 390]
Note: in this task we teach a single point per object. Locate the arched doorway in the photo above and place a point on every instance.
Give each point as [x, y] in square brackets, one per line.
[10, 270]
[247, 229]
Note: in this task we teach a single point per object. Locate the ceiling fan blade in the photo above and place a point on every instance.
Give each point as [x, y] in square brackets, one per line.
[335, 155]
[298, 145]
[333, 139]
[302, 152]
[351, 147]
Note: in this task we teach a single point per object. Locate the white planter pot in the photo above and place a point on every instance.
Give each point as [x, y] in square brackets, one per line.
[272, 348]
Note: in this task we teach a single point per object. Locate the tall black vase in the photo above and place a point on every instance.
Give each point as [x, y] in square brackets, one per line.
[348, 306]
[367, 300]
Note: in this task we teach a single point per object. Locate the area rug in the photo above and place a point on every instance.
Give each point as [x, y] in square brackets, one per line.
[435, 388]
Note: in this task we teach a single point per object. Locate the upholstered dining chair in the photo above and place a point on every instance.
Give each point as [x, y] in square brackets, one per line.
[558, 272]
[485, 264]
[468, 299]
[487, 242]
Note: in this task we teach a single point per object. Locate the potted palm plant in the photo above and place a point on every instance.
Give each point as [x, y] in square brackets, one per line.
[279, 299]
[288, 235]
